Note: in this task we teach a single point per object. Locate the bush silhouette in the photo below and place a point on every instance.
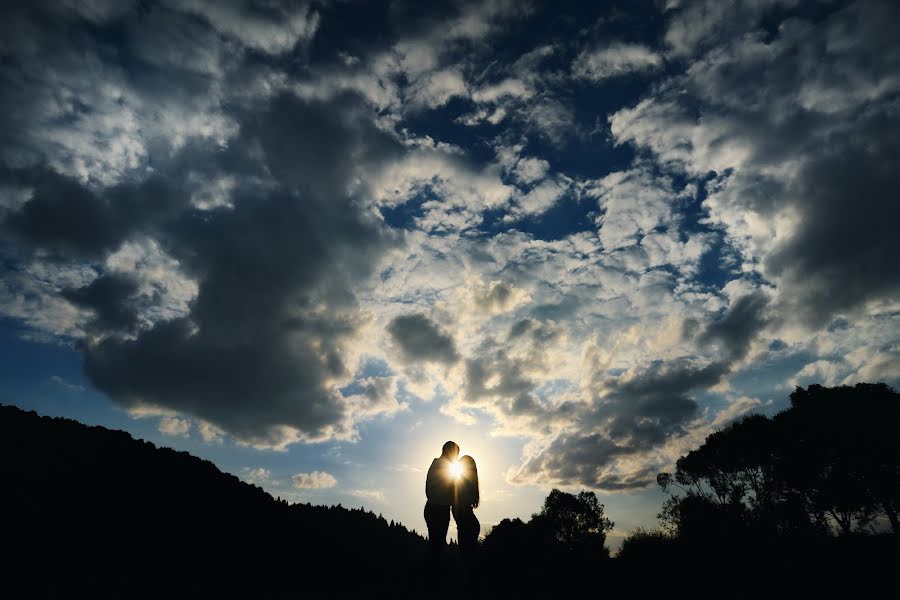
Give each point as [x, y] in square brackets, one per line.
[561, 545]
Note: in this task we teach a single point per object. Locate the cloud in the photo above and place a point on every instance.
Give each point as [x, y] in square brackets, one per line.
[248, 221]
[263, 26]
[377, 396]
[699, 24]
[801, 150]
[314, 481]
[530, 170]
[258, 475]
[376, 495]
[209, 432]
[613, 445]
[633, 204]
[174, 426]
[435, 89]
[64, 383]
[293, 365]
[539, 199]
[257, 328]
[550, 118]
[456, 191]
[615, 60]
[741, 322]
[515, 88]
[420, 340]
[111, 298]
[494, 297]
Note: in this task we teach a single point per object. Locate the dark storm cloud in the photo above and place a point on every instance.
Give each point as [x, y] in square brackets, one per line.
[142, 110]
[846, 247]
[653, 404]
[581, 460]
[421, 340]
[629, 416]
[70, 220]
[111, 297]
[268, 333]
[739, 325]
[64, 217]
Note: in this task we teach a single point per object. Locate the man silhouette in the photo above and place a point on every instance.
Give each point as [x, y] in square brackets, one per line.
[439, 488]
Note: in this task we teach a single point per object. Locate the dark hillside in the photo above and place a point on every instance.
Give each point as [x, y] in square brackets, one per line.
[87, 510]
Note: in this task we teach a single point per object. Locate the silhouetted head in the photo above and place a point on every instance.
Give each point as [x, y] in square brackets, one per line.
[469, 472]
[450, 451]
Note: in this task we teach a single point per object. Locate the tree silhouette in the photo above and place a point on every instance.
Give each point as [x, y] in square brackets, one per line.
[829, 461]
[574, 523]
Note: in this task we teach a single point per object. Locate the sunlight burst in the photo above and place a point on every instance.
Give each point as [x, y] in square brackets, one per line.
[455, 470]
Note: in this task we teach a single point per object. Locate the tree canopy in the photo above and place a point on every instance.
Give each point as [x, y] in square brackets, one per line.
[827, 463]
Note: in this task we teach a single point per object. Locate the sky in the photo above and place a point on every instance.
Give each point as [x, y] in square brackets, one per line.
[313, 241]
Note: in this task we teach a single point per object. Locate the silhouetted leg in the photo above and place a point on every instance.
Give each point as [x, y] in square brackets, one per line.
[468, 528]
[437, 518]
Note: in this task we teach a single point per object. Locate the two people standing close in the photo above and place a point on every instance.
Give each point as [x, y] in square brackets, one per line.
[452, 486]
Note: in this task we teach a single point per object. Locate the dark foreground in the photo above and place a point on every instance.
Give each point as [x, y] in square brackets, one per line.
[90, 512]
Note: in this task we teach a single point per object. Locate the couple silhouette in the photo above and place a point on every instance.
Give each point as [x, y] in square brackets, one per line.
[452, 486]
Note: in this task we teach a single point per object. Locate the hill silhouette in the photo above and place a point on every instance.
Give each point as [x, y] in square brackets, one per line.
[89, 511]
[800, 501]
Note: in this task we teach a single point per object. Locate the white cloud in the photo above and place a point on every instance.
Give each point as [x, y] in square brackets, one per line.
[174, 426]
[539, 199]
[634, 203]
[376, 495]
[314, 480]
[460, 191]
[257, 476]
[209, 432]
[514, 88]
[530, 170]
[435, 88]
[615, 60]
[167, 291]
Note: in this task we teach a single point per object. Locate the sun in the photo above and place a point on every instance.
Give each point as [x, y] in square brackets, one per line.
[455, 470]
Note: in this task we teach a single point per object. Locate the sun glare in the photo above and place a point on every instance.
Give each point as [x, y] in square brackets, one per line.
[455, 470]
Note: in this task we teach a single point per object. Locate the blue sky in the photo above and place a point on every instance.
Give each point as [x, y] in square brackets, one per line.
[313, 241]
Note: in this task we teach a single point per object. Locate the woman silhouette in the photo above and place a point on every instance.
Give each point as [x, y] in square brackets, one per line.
[465, 502]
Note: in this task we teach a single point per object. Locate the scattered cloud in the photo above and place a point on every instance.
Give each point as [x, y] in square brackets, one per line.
[258, 475]
[249, 223]
[314, 481]
[615, 60]
[374, 495]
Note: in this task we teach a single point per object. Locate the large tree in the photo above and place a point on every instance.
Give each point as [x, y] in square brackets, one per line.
[830, 460]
